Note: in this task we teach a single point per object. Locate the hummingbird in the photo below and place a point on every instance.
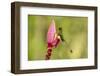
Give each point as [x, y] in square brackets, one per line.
[60, 33]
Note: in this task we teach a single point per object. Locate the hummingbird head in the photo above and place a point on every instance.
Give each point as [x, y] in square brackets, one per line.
[60, 28]
[60, 33]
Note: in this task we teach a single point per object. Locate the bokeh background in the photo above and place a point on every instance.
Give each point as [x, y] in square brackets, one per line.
[75, 32]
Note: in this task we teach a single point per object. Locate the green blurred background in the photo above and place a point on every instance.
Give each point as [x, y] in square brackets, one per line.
[74, 32]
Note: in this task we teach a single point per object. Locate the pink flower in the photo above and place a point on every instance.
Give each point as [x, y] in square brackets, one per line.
[51, 32]
[52, 39]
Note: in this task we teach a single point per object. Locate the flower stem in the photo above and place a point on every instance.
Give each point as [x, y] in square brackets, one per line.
[48, 55]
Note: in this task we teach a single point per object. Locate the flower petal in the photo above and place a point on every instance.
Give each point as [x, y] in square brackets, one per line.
[51, 32]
